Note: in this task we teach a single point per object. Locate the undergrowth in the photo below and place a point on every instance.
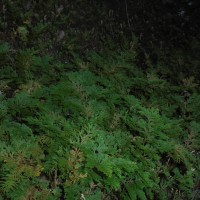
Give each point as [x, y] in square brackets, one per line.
[98, 128]
[88, 112]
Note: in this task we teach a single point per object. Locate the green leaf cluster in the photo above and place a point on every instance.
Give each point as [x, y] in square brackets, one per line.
[104, 130]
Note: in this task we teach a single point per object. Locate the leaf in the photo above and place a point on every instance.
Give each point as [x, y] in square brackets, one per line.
[141, 195]
[131, 191]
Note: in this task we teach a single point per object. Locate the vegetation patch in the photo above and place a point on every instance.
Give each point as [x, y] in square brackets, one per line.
[82, 118]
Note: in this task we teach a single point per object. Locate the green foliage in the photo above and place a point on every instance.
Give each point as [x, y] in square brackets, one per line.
[103, 130]
[77, 123]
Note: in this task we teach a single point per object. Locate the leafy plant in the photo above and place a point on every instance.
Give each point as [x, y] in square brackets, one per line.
[77, 123]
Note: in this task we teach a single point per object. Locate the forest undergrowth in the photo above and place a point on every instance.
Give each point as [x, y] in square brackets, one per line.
[93, 125]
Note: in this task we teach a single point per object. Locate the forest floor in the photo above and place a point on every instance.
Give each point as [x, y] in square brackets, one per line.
[85, 117]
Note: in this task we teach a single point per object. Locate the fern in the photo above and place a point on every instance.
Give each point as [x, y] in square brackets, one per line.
[104, 129]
